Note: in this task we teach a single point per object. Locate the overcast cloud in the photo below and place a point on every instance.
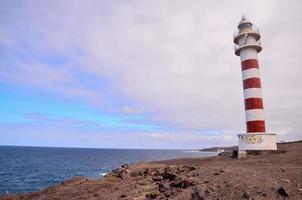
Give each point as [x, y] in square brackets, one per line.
[171, 59]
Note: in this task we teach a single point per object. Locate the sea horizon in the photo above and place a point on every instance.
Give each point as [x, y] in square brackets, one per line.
[75, 147]
[29, 168]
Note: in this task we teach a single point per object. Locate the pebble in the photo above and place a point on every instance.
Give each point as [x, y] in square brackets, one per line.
[151, 195]
[285, 180]
[245, 196]
[282, 192]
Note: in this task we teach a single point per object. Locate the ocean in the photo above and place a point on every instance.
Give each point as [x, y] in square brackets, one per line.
[26, 169]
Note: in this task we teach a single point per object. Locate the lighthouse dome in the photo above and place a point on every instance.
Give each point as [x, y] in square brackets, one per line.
[244, 23]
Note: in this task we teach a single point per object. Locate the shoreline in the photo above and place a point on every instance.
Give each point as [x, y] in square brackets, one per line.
[260, 177]
[33, 169]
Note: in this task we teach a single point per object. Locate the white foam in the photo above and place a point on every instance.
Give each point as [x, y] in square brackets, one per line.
[191, 151]
[103, 174]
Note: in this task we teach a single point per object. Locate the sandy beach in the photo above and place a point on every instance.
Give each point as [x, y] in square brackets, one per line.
[274, 176]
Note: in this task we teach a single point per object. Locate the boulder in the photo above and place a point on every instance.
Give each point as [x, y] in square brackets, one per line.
[163, 187]
[168, 175]
[197, 193]
[182, 183]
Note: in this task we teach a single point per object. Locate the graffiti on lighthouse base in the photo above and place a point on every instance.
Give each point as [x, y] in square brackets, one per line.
[252, 139]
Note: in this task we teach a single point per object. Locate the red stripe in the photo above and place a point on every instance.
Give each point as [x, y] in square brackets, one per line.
[251, 83]
[255, 126]
[253, 103]
[248, 64]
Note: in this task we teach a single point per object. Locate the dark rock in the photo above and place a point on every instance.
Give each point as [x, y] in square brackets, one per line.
[159, 172]
[185, 168]
[140, 173]
[157, 178]
[151, 195]
[125, 166]
[163, 187]
[197, 193]
[173, 191]
[178, 169]
[123, 196]
[182, 183]
[168, 175]
[211, 189]
[282, 192]
[173, 169]
[134, 174]
[191, 168]
[218, 173]
[146, 172]
[144, 182]
[115, 170]
[168, 194]
[261, 193]
[120, 172]
[245, 196]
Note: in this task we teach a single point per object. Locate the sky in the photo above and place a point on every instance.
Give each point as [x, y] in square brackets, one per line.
[142, 74]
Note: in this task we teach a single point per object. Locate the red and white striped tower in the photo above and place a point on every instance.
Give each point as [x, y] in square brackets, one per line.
[247, 46]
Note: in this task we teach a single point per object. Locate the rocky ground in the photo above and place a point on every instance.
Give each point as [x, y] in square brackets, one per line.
[276, 176]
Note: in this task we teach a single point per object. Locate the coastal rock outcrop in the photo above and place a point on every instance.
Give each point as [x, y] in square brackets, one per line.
[258, 177]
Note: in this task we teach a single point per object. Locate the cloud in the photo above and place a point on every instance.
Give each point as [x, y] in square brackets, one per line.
[68, 132]
[130, 110]
[173, 59]
[42, 119]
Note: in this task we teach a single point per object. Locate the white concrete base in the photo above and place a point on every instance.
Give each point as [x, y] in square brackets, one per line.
[242, 154]
[257, 141]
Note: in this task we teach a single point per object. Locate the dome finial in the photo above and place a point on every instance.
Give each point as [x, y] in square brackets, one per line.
[244, 21]
[243, 17]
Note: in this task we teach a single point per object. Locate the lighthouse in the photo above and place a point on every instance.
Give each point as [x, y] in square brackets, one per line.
[247, 46]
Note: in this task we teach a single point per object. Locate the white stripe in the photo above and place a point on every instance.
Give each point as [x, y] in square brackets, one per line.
[252, 93]
[250, 73]
[248, 53]
[254, 114]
